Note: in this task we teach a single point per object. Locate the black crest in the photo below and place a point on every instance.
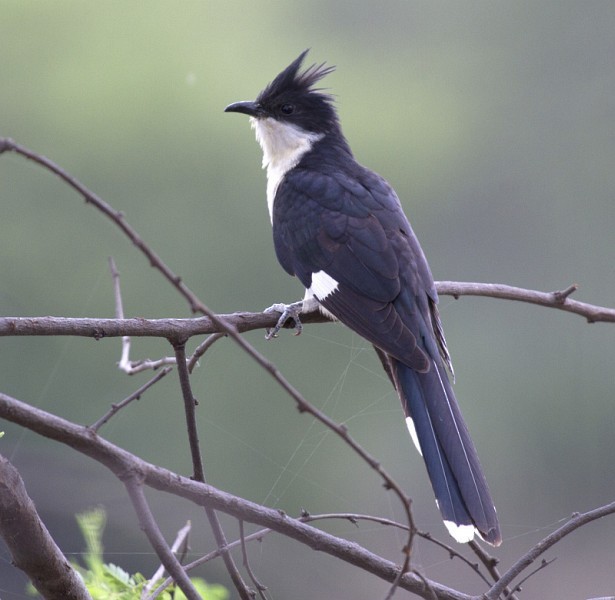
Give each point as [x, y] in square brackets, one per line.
[292, 97]
[291, 79]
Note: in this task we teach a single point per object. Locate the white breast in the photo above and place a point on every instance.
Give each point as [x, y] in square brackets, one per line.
[283, 146]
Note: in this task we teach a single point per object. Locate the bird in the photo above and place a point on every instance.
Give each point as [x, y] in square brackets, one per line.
[341, 230]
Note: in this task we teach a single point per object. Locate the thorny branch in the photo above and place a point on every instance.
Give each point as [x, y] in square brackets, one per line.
[222, 327]
[125, 465]
[178, 331]
[199, 472]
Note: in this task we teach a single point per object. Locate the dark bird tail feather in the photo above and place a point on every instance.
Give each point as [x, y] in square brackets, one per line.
[451, 459]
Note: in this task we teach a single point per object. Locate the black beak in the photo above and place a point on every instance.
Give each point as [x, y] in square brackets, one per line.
[252, 109]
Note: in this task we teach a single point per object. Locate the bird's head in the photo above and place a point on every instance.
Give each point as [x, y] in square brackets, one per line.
[290, 115]
[291, 99]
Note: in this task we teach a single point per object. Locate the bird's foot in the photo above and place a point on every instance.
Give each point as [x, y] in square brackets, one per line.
[287, 311]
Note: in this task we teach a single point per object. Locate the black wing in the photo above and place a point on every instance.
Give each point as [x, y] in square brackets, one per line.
[351, 226]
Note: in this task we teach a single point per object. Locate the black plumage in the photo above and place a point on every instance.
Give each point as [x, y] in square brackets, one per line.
[340, 229]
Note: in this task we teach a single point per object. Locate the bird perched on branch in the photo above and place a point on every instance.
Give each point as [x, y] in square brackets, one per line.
[340, 229]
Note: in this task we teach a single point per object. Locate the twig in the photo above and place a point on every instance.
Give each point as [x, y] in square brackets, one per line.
[558, 299]
[222, 326]
[246, 563]
[576, 521]
[543, 563]
[133, 367]
[356, 517]
[303, 406]
[454, 554]
[428, 589]
[190, 413]
[256, 536]
[124, 364]
[9, 145]
[123, 464]
[199, 473]
[134, 487]
[181, 539]
[134, 396]
[490, 564]
[202, 348]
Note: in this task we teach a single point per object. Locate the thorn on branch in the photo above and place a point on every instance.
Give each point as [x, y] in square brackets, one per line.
[560, 296]
[5, 145]
[543, 563]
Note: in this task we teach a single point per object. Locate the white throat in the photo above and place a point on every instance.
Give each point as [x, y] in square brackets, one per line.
[283, 146]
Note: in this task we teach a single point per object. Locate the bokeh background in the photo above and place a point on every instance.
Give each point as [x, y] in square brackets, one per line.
[494, 121]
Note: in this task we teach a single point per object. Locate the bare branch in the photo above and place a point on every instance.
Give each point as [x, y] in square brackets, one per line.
[134, 396]
[246, 563]
[490, 564]
[134, 487]
[123, 464]
[8, 145]
[576, 521]
[202, 348]
[189, 411]
[558, 299]
[256, 536]
[171, 329]
[178, 331]
[31, 546]
[543, 564]
[181, 541]
[247, 321]
[199, 473]
[124, 364]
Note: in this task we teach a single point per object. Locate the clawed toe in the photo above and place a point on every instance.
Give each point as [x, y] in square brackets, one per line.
[288, 311]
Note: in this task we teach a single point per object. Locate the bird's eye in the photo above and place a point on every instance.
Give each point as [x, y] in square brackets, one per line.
[287, 109]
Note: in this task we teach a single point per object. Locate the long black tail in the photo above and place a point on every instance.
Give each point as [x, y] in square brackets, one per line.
[441, 435]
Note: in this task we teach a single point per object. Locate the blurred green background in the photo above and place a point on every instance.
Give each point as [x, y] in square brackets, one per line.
[494, 121]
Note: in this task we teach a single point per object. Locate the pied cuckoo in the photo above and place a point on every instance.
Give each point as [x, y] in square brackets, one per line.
[340, 229]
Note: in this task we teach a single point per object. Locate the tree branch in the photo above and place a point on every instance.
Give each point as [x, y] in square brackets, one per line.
[199, 471]
[136, 395]
[32, 548]
[124, 464]
[178, 331]
[576, 521]
[134, 487]
[181, 541]
[9, 145]
[558, 299]
[249, 321]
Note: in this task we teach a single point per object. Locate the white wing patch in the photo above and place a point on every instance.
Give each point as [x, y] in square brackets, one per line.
[412, 431]
[323, 285]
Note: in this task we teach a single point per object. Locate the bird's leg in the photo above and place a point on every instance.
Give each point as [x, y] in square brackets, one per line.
[291, 311]
[287, 311]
